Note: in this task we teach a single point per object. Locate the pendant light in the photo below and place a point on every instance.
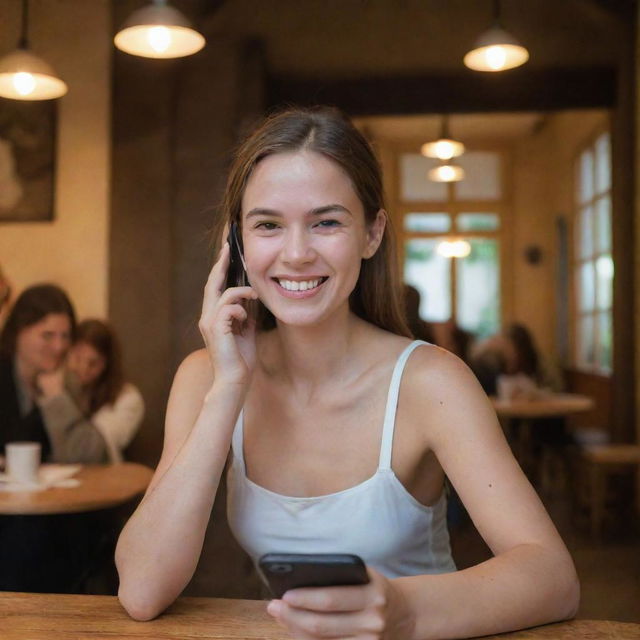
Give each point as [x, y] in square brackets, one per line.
[26, 76]
[454, 248]
[445, 147]
[446, 172]
[158, 31]
[495, 49]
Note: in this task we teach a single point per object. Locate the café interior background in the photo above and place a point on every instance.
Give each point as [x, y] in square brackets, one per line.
[143, 145]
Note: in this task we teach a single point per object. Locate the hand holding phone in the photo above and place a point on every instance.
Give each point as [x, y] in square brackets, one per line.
[285, 571]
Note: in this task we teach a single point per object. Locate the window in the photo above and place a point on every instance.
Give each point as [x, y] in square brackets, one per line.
[464, 289]
[593, 263]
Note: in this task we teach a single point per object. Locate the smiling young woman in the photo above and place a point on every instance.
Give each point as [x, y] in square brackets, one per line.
[338, 427]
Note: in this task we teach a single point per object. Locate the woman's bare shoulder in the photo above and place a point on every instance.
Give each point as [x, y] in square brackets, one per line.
[441, 386]
[195, 374]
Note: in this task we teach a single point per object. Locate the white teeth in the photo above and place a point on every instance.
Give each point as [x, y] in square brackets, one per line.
[295, 285]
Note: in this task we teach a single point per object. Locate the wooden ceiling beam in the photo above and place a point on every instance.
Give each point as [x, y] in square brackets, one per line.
[518, 90]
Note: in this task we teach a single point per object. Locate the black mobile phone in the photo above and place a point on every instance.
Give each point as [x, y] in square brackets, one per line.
[285, 571]
[236, 275]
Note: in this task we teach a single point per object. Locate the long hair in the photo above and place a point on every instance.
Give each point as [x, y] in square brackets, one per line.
[32, 306]
[377, 296]
[103, 339]
[527, 360]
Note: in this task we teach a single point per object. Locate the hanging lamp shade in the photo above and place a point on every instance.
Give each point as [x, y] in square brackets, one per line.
[445, 147]
[25, 76]
[496, 50]
[158, 31]
[446, 172]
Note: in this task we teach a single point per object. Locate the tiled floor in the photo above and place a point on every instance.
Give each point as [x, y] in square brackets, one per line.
[609, 570]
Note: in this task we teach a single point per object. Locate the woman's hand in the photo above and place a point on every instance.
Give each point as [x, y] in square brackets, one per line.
[50, 384]
[376, 610]
[226, 326]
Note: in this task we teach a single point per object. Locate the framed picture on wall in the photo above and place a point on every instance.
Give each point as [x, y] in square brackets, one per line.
[27, 146]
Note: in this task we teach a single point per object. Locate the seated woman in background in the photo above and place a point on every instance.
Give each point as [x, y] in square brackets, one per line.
[98, 392]
[33, 345]
[511, 357]
[44, 553]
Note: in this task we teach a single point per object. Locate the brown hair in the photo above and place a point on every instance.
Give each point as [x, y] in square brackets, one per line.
[33, 305]
[377, 295]
[103, 339]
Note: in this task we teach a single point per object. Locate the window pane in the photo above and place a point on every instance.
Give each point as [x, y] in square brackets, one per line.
[603, 224]
[427, 222]
[478, 287]
[605, 340]
[603, 163]
[430, 274]
[586, 354]
[478, 222]
[585, 192]
[482, 176]
[414, 183]
[584, 236]
[604, 278]
[586, 287]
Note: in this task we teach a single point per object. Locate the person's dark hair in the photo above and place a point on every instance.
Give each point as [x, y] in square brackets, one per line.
[377, 295]
[103, 339]
[418, 327]
[527, 360]
[32, 306]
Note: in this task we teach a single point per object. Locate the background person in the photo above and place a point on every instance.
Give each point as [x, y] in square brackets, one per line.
[339, 428]
[96, 390]
[33, 345]
[43, 553]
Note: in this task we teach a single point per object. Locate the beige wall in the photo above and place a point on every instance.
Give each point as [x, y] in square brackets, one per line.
[73, 35]
[542, 192]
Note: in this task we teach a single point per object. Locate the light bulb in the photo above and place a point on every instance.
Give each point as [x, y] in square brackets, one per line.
[454, 248]
[23, 82]
[446, 173]
[159, 38]
[496, 57]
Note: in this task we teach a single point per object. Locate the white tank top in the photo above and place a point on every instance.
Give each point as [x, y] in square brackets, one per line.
[378, 519]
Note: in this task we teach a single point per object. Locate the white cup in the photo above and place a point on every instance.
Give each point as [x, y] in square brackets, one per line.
[22, 461]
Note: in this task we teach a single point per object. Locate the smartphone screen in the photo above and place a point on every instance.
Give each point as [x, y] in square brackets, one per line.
[285, 571]
[236, 276]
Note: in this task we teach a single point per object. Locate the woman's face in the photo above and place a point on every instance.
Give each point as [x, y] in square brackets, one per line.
[41, 347]
[305, 236]
[86, 363]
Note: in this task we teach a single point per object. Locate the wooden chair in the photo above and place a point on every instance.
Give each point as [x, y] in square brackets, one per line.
[603, 461]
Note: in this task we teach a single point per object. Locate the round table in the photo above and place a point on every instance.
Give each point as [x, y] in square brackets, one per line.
[547, 406]
[101, 487]
[528, 411]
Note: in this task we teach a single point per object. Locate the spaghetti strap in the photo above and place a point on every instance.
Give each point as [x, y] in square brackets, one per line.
[237, 440]
[392, 404]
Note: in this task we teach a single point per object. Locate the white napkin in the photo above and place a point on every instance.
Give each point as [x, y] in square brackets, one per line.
[49, 475]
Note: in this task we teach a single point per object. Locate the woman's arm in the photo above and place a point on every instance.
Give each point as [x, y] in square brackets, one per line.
[530, 580]
[118, 422]
[73, 437]
[159, 547]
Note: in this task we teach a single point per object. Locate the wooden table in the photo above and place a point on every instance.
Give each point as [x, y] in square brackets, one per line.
[101, 487]
[31, 616]
[551, 405]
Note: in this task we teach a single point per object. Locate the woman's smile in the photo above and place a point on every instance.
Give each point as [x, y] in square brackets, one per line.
[297, 287]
